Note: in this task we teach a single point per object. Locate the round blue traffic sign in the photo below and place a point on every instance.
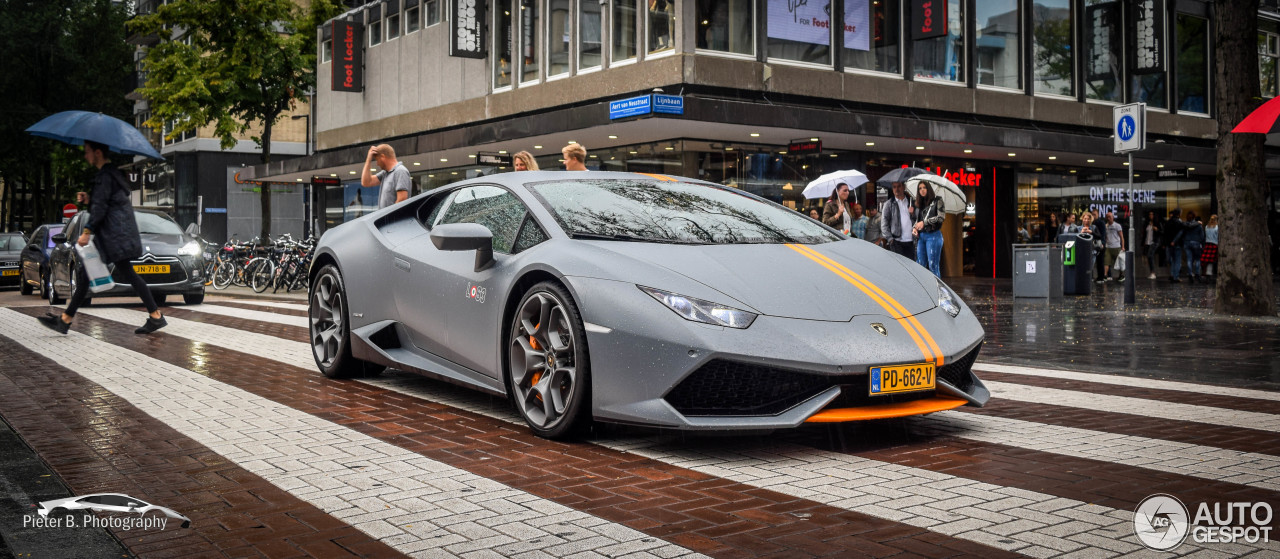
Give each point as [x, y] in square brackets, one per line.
[1125, 128]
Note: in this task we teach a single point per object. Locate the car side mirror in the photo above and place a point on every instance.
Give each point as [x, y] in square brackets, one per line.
[60, 238]
[33, 246]
[465, 236]
[193, 230]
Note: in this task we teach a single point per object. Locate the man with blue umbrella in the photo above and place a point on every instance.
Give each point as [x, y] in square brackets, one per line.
[111, 226]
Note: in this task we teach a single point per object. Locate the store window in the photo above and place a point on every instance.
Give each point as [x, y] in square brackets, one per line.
[557, 37]
[1193, 64]
[393, 26]
[1150, 89]
[727, 26]
[624, 30]
[589, 32]
[799, 31]
[1052, 61]
[662, 25]
[942, 57]
[432, 11]
[1149, 64]
[998, 45]
[412, 18]
[1103, 51]
[529, 60]
[871, 33]
[502, 47]
[374, 31]
[1268, 58]
[326, 50]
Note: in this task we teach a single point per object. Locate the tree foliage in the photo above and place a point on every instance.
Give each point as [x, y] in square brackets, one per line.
[232, 65]
[61, 55]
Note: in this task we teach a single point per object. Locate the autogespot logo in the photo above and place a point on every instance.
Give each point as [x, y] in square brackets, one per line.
[1161, 522]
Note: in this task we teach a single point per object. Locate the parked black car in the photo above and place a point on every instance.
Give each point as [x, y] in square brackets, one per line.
[171, 261]
[10, 247]
[35, 259]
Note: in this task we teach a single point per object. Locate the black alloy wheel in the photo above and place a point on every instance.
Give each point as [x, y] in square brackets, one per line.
[547, 369]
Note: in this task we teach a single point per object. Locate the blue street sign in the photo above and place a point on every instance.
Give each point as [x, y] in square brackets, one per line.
[668, 104]
[634, 106]
[1126, 128]
[215, 210]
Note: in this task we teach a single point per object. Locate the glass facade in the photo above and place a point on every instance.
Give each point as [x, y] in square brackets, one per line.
[1052, 37]
[798, 31]
[1269, 57]
[872, 39]
[1193, 64]
[590, 26]
[624, 31]
[662, 26]
[502, 44]
[529, 59]
[727, 26]
[1103, 51]
[558, 33]
[943, 58]
[997, 43]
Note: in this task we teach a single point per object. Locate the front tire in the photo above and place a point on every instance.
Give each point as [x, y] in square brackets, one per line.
[330, 331]
[193, 298]
[548, 373]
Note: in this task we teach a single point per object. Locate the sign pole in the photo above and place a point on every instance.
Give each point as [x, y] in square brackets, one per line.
[1129, 123]
[1130, 263]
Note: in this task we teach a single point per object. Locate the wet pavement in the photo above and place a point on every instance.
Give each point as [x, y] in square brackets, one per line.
[1169, 333]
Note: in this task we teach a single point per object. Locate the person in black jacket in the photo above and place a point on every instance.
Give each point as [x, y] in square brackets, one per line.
[1172, 241]
[115, 233]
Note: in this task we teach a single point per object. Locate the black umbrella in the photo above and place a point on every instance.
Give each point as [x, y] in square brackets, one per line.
[899, 175]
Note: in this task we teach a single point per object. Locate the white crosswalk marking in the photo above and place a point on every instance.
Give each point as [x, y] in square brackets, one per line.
[264, 316]
[1008, 518]
[1137, 406]
[1129, 381]
[452, 512]
[272, 304]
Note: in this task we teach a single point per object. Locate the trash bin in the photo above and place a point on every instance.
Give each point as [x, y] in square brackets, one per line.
[1037, 270]
[1077, 262]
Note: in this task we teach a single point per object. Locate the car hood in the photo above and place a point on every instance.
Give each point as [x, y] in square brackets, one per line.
[162, 245]
[778, 280]
[10, 255]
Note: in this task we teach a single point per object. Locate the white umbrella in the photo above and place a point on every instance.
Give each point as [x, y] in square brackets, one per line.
[953, 199]
[823, 186]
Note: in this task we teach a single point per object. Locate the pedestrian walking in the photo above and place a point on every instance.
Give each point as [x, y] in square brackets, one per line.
[1088, 227]
[837, 212]
[1172, 241]
[859, 225]
[523, 161]
[575, 157]
[393, 178]
[1209, 259]
[1049, 232]
[114, 231]
[1151, 242]
[813, 212]
[873, 226]
[899, 218]
[1114, 245]
[928, 228]
[1193, 245]
[1070, 226]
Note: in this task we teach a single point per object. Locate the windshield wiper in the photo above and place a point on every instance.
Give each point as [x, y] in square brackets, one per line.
[631, 238]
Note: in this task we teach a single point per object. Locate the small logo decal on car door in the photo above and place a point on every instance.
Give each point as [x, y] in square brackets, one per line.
[475, 292]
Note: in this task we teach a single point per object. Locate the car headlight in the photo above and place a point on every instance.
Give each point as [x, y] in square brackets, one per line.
[698, 310]
[948, 300]
[190, 249]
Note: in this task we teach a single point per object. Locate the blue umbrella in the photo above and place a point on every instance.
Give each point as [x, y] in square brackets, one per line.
[74, 127]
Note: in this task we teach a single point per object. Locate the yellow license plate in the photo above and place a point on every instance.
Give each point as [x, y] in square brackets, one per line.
[151, 268]
[902, 378]
[9, 273]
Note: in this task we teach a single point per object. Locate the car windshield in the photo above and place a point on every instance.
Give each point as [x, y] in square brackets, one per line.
[155, 224]
[647, 210]
[11, 242]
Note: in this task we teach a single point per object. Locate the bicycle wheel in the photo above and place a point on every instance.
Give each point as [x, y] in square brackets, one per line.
[260, 275]
[224, 275]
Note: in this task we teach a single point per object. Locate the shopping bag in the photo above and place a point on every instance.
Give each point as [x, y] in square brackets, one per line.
[99, 276]
[1120, 260]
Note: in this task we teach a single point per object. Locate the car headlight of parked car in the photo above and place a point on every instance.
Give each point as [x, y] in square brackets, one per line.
[948, 300]
[698, 310]
[190, 249]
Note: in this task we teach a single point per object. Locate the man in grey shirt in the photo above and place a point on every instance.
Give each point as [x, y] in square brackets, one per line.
[897, 218]
[873, 225]
[1115, 245]
[393, 177]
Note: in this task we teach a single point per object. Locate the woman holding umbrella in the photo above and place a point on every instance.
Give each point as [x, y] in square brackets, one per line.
[837, 213]
[928, 230]
[115, 232]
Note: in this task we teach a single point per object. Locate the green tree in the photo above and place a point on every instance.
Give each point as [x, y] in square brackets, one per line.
[62, 55]
[1244, 261]
[231, 64]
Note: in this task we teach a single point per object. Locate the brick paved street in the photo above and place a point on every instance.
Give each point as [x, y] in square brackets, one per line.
[223, 417]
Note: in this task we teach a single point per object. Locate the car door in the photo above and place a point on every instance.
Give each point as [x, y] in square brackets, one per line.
[453, 305]
[62, 258]
[33, 255]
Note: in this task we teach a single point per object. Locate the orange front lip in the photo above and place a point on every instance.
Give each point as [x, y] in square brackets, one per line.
[886, 411]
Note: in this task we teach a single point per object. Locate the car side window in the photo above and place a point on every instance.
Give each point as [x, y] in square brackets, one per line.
[39, 237]
[115, 501]
[434, 207]
[493, 207]
[91, 500]
[530, 235]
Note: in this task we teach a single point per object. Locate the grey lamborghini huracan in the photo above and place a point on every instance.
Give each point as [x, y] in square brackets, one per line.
[641, 299]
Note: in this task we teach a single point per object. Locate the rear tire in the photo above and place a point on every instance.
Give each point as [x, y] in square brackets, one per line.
[330, 329]
[193, 298]
[548, 373]
[24, 288]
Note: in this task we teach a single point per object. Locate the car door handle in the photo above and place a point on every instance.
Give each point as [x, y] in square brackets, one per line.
[402, 264]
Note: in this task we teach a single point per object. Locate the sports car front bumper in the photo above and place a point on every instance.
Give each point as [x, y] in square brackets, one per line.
[651, 367]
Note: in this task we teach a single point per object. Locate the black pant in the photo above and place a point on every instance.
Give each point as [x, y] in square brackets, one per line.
[907, 249]
[124, 269]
